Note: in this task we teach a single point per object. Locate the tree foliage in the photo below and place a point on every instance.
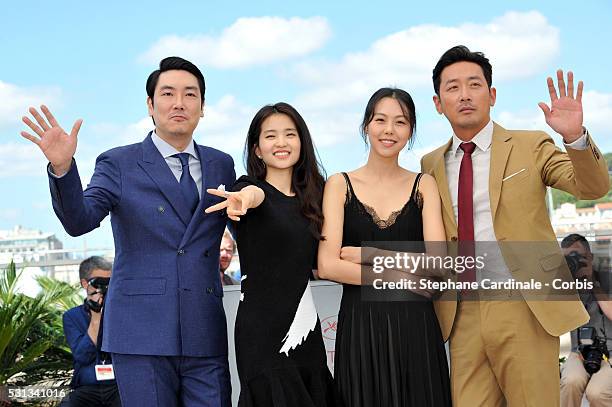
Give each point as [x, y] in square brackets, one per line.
[33, 348]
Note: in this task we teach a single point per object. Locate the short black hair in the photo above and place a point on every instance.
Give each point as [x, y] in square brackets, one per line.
[175, 63]
[461, 53]
[573, 238]
[406, 103]
[93, 263]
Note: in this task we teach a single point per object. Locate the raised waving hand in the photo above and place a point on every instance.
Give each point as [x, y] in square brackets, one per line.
[58, 146]
[565, 112]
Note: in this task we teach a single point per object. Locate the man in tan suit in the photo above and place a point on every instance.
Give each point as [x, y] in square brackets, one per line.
[492, 184]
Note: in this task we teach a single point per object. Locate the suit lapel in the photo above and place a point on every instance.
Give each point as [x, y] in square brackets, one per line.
[209, 175]
[439, 168]
[500, 151]
[208, 178]
[156, 167]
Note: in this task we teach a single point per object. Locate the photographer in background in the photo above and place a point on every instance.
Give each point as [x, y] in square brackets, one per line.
[587, 369]
[93, 381]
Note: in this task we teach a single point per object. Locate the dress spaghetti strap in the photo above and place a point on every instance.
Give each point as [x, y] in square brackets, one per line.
[350, 193]
[415, 187]
[415, 195]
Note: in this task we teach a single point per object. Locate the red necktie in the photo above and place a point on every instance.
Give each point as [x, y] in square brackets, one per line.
[466, 209]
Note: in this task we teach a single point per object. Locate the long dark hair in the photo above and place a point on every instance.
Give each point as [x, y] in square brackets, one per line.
[308, 177]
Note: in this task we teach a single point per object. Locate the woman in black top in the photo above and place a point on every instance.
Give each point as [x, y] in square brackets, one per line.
[389, 348]
[277, 215]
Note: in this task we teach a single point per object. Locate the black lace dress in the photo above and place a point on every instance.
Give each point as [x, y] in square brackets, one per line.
[389, 348]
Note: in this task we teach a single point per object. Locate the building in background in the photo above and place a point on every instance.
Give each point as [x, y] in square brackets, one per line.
[42, 253]
[593, 223]
[28, 245]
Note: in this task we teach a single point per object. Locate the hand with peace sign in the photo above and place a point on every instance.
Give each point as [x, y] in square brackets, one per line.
[237, 203]
[565, 112]
[58, 146]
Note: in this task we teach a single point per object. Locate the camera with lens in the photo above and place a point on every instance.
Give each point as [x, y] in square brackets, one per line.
[101, 286]
[592, 347]
[575, 261]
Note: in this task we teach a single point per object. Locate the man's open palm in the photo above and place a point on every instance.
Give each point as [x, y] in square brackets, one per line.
[565, 112]
[58, 146]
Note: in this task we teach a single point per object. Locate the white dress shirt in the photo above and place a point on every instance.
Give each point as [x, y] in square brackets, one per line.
[167, 151]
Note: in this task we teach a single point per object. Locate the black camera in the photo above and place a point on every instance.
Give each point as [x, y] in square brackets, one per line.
[101, 286]
[592, 347]
[575, 261]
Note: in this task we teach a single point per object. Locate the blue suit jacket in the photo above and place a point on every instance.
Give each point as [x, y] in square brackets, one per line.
[84, 352]
[165, 296]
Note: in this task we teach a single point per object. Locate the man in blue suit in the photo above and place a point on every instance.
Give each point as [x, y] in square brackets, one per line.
[164, 321]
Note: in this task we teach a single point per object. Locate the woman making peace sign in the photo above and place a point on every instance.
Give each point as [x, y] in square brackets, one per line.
[277, 213]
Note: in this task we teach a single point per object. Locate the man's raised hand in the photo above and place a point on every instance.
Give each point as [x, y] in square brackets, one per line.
[565, 112]
[58, 146]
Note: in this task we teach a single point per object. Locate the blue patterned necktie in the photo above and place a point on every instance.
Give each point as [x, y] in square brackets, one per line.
[188, 185]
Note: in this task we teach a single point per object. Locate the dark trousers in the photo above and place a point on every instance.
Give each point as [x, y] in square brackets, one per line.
[168, 381]
[102, 395]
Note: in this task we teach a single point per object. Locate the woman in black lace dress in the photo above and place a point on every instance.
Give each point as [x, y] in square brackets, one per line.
[389, 349]
[280, 354]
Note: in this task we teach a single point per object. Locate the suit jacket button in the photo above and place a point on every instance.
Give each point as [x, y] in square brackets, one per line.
[161, 209]
[209, 290]
[206, 253]
[181, 251]
[454, 238]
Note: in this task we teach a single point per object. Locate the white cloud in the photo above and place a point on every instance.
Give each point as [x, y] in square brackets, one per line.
[16, 101]
[518, 45]
[248, 41]
[598, 112]
[19, 159]
[135, 132]
[225, 125]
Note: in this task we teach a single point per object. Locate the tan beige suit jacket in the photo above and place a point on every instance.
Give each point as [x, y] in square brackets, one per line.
[519, 212]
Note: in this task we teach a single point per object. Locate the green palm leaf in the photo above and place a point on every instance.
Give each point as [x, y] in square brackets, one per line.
[32, 343]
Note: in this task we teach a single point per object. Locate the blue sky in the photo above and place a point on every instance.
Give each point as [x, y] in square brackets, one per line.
[90, 61]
